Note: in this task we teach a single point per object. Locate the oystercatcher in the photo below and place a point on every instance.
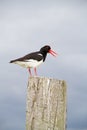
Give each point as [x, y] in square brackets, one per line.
[34, 59]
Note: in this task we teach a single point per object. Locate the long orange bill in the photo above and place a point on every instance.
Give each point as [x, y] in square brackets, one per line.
[53, 53]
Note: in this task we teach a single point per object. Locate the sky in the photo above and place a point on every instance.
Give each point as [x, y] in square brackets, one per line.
[26, 26]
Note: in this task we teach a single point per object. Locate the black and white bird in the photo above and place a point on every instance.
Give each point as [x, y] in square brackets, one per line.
[34, 59]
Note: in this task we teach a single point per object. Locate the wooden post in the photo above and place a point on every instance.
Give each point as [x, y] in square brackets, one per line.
[46, 104]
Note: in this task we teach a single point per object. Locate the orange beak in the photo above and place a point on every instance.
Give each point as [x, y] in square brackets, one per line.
[53, 53]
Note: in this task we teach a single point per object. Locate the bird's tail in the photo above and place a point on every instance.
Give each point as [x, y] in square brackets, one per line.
[11, 61]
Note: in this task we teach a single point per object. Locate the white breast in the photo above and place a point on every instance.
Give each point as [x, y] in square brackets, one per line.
[29, 63]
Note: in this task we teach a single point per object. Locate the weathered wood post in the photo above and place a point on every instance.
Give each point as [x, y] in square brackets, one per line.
[46, 104]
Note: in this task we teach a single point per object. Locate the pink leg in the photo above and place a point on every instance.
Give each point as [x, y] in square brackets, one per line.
[35, 71]
[29, 71]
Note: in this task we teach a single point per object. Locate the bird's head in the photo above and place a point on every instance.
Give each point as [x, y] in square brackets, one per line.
[47, 49]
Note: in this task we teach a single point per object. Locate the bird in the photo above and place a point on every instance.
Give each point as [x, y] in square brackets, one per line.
[34, 59]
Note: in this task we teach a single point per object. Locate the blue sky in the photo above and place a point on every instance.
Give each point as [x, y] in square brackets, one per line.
[26, 26]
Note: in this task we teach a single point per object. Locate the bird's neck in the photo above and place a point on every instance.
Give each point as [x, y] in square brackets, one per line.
[44, 55]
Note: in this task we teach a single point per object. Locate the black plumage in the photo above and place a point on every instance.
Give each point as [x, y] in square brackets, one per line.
[34, 59]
